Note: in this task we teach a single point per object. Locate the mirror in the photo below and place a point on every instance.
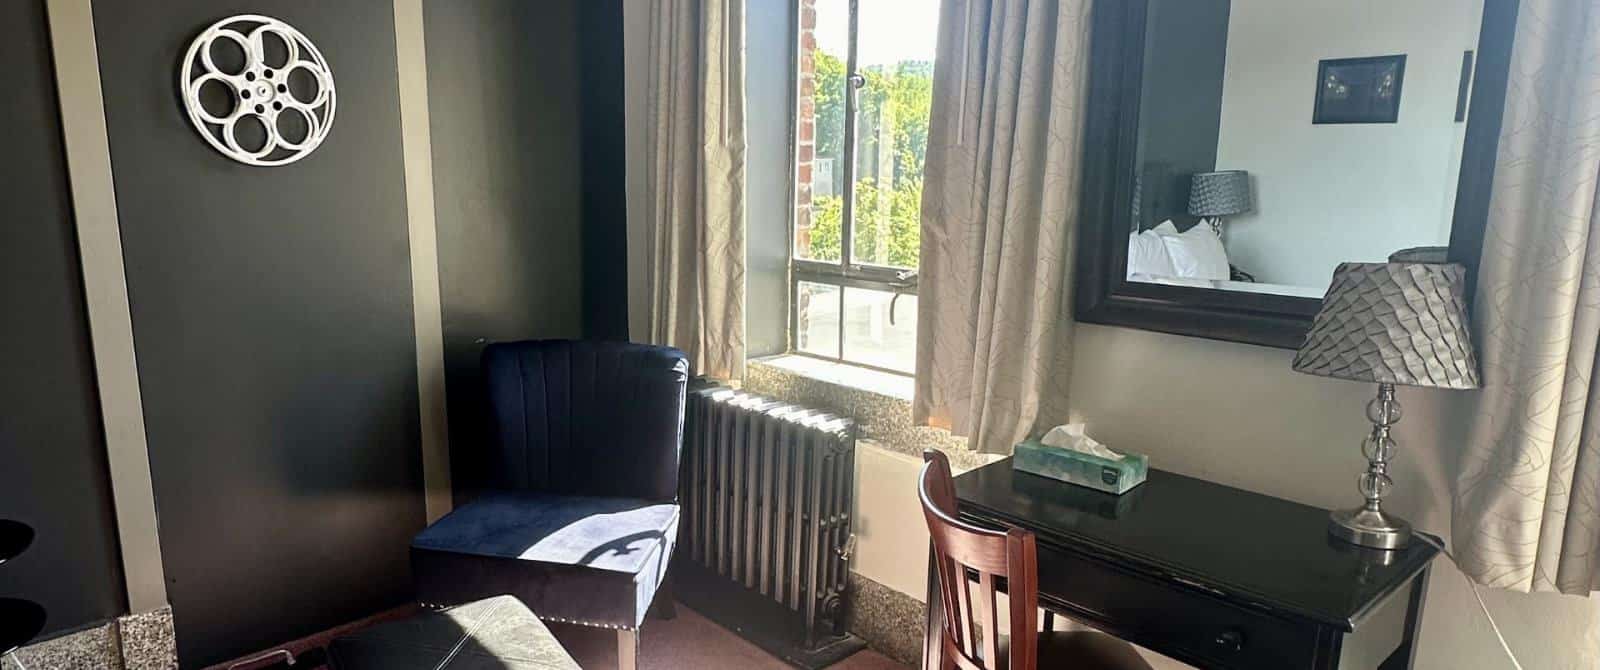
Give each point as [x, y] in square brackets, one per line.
[1236, 151]
[1279, 138]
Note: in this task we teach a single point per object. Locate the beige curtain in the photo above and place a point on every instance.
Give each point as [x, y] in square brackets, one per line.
[695, 172]
[999, 212]
[1527, 506]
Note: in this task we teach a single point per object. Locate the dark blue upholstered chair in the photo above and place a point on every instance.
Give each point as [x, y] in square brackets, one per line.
[584, 514]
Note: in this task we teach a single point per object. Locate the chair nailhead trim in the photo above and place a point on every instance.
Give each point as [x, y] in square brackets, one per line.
[591, 624]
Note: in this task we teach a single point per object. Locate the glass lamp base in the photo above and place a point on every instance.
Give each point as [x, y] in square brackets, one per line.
[1370, 528]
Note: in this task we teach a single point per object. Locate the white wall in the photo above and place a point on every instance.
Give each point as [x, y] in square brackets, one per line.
[1332, 193]
[891, 535]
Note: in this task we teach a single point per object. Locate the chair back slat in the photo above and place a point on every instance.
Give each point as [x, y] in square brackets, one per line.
[987, 617]
[960, 548]
[953, 657]
[952, 586]
[1023, 585]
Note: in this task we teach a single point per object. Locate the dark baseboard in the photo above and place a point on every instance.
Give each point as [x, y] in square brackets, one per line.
[266, 658]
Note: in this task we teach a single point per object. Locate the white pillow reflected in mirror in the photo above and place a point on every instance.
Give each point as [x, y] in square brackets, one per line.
[1147, 255]
[1196, 253]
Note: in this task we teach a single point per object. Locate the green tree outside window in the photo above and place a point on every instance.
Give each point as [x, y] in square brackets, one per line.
[894, 106]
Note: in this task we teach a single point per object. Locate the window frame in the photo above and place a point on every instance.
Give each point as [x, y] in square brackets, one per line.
[846, 272]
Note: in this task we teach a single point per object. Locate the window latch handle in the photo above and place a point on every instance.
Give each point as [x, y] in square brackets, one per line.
[857, 81]
[904, 279]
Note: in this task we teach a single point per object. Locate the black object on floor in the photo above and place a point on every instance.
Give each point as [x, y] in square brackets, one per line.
[20, 620]
[15, 536]
[766, 623]
[496, 632]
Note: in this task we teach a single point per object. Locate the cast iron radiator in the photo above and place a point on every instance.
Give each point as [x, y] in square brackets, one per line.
[766, 489]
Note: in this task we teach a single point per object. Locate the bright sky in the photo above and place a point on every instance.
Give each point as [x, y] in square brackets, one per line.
[890, 31]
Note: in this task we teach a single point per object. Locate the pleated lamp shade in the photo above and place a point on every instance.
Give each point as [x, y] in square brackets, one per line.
[1220, 193]
[1394, 323]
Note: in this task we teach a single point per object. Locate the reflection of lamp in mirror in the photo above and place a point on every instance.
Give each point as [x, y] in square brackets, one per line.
[1389, 323]
[1213, 195]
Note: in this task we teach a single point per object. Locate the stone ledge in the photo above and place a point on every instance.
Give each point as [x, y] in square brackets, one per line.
[132, 642]
[890, 621]
[148, 640]
[882, 418]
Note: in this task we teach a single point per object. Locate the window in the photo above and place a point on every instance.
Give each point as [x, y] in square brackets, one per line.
[865, 78]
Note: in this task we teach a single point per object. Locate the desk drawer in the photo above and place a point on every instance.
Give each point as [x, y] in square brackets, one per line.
[1173, 618]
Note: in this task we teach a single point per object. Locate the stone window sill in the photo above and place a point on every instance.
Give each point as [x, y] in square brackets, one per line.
[880, 402]
[843, 374]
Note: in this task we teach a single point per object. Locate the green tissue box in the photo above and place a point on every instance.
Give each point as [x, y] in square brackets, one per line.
[1072, 467]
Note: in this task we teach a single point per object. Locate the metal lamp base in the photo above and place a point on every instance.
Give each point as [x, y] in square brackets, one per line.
[1370, 528]
[1368, 525]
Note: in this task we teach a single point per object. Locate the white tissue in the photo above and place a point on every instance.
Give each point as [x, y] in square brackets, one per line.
[1071, 436]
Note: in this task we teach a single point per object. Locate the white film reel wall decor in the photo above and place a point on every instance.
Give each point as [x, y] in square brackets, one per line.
[257, 90]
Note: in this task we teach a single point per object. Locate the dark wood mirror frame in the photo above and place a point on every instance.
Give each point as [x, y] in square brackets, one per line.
[1103, 295]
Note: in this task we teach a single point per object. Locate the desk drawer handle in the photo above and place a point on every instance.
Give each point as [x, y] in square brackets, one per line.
[1230, 639]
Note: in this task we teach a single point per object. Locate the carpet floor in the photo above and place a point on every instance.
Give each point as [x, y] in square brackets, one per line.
[690, 642]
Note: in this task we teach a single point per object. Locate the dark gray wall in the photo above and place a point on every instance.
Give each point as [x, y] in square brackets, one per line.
[273, 325]
[503, 96]
[53, 472]
[1180, 104]
[769, 163]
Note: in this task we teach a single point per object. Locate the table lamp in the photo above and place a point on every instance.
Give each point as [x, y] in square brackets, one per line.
[1213, 195]
[1389, 323]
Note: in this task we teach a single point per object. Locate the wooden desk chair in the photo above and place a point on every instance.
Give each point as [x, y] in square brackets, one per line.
[1012, 555]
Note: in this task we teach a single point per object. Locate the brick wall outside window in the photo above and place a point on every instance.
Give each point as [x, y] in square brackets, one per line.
[805, 123]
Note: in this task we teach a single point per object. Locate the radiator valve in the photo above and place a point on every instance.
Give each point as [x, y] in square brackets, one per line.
[848, 548]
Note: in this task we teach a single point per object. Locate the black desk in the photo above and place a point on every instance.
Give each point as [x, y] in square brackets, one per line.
[1208, 574]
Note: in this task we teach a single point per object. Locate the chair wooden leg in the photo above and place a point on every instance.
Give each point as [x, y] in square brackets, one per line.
[627, 649]
[665, 604]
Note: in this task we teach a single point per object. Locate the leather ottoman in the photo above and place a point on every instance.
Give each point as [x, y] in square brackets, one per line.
[496, 632]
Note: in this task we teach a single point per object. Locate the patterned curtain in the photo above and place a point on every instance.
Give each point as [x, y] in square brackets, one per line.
[695, 172]
[1527, 504]
[999, 211]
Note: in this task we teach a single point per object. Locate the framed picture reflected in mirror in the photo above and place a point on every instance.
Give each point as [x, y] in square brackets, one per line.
[1359, 90]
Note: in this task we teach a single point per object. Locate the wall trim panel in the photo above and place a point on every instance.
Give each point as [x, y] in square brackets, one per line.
[417, 144]
[94, 204]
